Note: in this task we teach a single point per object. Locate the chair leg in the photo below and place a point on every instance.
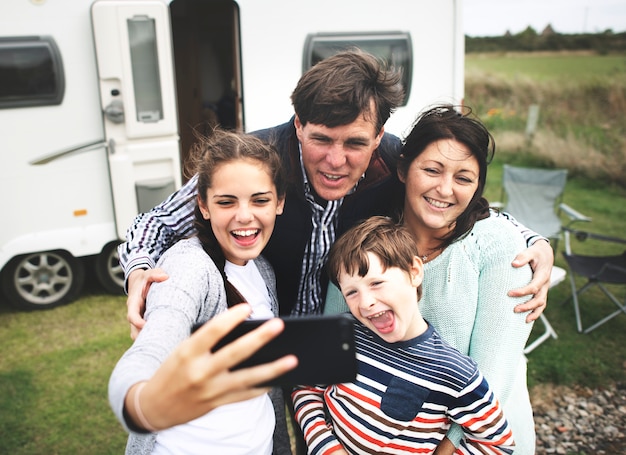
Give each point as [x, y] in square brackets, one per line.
[550, 332]
[621, 309]
[574, 297]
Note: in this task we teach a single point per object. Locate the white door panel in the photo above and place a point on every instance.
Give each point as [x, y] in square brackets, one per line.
[135, 69]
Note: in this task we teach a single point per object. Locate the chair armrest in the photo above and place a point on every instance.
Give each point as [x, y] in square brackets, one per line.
[584, 235]
[572, 214]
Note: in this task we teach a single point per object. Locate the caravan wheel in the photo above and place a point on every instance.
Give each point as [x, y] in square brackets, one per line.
[42, 280]
[109, 271]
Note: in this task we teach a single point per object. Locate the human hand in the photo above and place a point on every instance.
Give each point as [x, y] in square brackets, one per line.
[139, 282]
[193, 380]
[541, 259]
[445, 447]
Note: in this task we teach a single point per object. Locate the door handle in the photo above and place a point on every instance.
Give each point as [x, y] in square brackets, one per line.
[111, 146]
[115, 111]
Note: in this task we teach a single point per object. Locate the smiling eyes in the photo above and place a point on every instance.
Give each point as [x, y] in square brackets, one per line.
[350, 143]
[461, 178]
[258, 201]
[372, 285]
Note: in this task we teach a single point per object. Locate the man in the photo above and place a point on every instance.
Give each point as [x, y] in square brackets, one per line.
[341, 168]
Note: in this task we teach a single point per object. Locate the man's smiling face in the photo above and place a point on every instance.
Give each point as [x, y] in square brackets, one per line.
[335, 158]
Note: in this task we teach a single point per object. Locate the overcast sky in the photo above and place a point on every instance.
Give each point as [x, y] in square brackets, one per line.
[495, 17]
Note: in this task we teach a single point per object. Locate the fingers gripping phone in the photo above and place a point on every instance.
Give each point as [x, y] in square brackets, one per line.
[324, 346]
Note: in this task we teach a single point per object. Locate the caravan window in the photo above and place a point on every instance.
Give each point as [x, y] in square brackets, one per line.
[391, 47]
[145, 66]
[31, 72]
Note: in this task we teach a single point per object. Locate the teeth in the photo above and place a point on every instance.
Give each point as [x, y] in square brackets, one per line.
[332, 177]
[438, 204]
[376, 315]
[245, 232]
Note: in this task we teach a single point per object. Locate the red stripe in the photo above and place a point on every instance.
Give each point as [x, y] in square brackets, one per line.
[484, 416]
[347, 423]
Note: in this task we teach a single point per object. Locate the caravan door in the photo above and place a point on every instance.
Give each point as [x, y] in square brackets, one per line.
[137, 93]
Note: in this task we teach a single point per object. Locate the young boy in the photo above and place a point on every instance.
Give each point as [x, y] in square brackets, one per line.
[411, 385]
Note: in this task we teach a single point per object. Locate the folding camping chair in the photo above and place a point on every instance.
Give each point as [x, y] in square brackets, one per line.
[534, 197]
[599, 270]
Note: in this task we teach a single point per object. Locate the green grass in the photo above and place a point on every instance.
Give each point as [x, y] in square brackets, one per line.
[54, 372]
[548, 66]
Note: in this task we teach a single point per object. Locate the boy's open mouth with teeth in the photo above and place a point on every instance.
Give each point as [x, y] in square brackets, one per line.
[383, 321]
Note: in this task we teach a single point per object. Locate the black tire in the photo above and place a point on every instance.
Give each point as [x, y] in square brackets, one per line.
[109, 271]
[42, 280]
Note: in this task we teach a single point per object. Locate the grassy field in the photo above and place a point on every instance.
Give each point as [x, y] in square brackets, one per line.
[542, 67]
[54, 370]
[55, 364]
[581, 100]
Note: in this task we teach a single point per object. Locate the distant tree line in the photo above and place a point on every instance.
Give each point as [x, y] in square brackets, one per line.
[548, 40]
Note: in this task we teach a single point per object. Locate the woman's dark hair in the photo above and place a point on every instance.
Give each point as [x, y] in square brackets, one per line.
[207, 154]
[456, 123]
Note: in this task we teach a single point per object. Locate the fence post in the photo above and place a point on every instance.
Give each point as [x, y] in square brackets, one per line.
[531, 123]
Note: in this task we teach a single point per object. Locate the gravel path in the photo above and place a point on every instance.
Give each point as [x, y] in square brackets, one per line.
[580, 420]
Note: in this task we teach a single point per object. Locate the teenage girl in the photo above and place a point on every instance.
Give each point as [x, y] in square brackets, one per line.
[169, 391]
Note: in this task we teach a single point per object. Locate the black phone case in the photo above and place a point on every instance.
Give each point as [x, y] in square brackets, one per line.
[324, 346]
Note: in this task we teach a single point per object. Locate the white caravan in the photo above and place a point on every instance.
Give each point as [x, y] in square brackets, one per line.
[99, 100]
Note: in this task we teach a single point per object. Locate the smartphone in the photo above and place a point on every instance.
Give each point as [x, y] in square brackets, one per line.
[324, 346]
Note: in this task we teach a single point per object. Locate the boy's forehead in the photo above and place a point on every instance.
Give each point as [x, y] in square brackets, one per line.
[368, 261]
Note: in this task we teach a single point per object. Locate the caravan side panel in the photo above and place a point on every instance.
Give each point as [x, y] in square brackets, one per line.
[273, 38]
[54, 177]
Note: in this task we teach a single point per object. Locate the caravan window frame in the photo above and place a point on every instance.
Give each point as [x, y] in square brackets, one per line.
[394, 48]
[19, 54]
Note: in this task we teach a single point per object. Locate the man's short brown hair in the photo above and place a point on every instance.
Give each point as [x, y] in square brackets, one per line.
[339, 88]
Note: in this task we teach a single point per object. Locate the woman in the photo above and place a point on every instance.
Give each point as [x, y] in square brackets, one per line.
[241, 190]
[467, 252]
